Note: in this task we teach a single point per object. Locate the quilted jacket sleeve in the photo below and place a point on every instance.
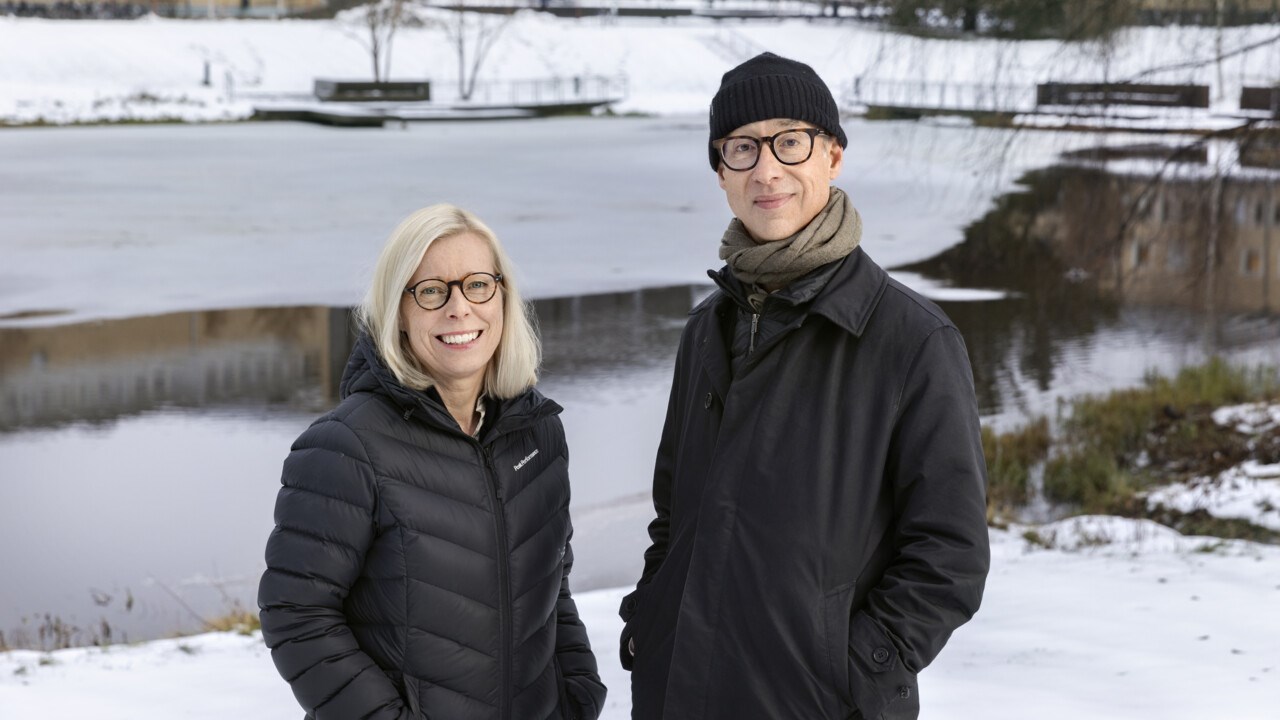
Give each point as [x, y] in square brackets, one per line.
[324, 526]
[573, 650]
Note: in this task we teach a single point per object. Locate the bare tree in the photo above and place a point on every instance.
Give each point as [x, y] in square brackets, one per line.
[1217, 46]
[1066, 19]
[376, 29]
[472, 35]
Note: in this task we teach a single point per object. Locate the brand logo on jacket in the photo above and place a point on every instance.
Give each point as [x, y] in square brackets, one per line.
[526, 460]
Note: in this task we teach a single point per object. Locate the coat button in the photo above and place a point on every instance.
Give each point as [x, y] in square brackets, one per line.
[880, 655]
[631, 605]
[904, 692]
[706, 402]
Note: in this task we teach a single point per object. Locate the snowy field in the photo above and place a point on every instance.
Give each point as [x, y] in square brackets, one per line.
[61, 72]
[1119, 620]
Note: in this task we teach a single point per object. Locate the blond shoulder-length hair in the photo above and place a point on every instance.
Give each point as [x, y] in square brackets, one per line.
[514, 367]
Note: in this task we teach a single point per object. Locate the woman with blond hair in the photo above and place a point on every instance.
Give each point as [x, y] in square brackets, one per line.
[420, 561]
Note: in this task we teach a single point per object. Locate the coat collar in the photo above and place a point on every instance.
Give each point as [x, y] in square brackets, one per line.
[845, 292]
[852, 293]
[366, 372]
[799, 292]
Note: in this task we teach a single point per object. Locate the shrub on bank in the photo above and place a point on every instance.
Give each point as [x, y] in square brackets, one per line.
[1010, 459]
[1109, 448]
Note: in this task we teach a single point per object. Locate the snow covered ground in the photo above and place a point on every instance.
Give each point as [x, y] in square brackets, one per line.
[60, 72]
[1120, 620]
[1249, 491]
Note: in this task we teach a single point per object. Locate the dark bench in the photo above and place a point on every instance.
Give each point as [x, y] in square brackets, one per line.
[344, 91]
[1261, 98]
[1196, 96]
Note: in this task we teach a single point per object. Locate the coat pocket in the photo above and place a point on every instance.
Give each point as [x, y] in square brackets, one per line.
[628, 611]
[837, 607]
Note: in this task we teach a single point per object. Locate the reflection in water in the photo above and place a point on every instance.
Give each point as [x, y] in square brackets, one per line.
[101, 371]
[288, 357]
[602, 338]
[141, 457]
[1123, 259]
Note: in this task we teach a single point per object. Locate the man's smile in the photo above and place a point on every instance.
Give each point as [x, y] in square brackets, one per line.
[772, 202]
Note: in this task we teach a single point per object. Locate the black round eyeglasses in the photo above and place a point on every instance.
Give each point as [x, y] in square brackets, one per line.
[791, 147]
[434, 293]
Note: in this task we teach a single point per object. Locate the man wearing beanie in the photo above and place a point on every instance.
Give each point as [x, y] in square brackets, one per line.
[820, 485]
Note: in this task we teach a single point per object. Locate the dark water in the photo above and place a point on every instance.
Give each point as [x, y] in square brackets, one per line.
[286, 359]
[140, 457]
[1118, 261]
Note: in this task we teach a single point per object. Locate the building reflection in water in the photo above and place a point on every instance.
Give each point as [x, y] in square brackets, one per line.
[291, 357]
[1120, 259]
[100, 371]
[1197, 229]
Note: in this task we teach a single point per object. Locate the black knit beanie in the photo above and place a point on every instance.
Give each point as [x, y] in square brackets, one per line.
[767, 87]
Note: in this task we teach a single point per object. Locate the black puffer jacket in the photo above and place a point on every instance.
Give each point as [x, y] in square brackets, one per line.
[417, 572]
[821, 517]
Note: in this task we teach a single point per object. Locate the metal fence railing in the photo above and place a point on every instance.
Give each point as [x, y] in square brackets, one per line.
[935, 95]
[576, 89]
[133, 9]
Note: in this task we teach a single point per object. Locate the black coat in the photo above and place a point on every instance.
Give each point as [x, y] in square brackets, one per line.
[821, 516]
[417, 572]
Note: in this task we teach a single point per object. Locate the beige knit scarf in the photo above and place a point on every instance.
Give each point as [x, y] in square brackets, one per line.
[831, 235]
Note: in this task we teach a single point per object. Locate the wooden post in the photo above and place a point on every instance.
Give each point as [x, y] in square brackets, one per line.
[1211, 258]
[1222, 85]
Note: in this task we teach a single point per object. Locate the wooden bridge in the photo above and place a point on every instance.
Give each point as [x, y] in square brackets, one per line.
[366, 104]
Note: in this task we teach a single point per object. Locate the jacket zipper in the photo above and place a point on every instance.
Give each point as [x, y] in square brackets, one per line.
[505, 699]
[504, 587]
[755, 325]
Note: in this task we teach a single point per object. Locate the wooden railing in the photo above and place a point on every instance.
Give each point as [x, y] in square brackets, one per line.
[1196, 96]
[352, 91]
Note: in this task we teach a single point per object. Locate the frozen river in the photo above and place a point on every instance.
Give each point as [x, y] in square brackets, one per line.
[172, 315]
[123, 221]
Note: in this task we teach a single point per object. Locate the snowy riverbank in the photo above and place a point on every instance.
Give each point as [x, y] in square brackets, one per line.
[89, 71]
[1122, 619]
